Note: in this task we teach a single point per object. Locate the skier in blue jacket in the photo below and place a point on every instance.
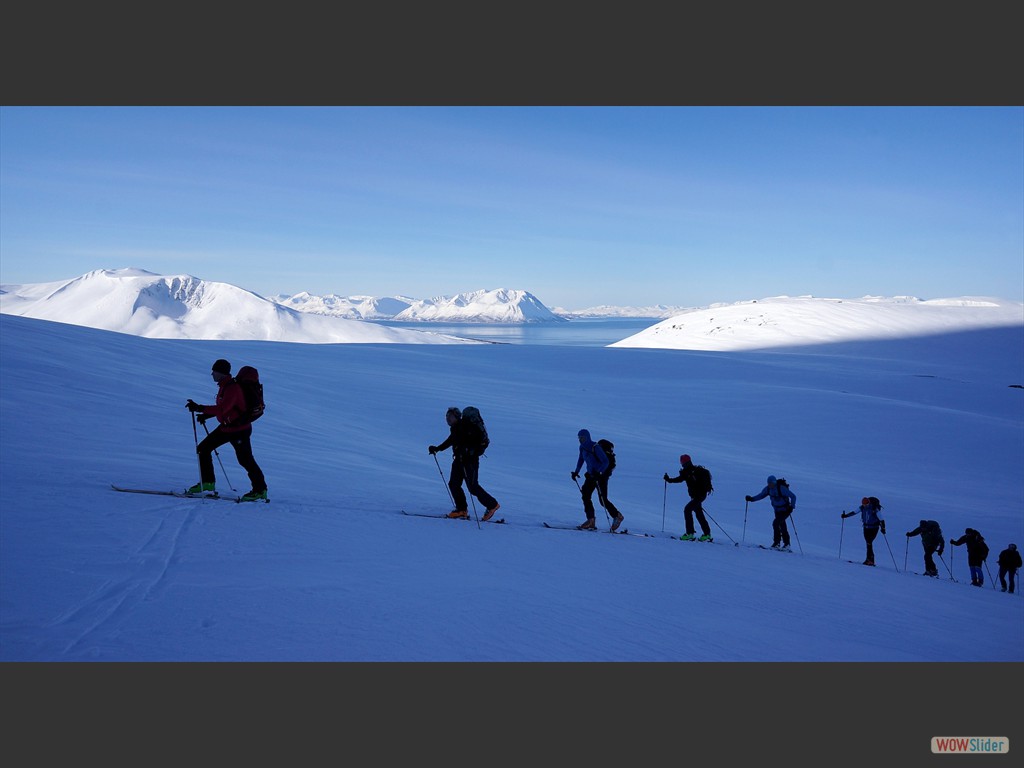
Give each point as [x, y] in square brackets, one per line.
[597, 464]
[784, 503]
[869, 509]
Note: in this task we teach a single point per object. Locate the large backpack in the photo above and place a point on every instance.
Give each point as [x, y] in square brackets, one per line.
[931, 532]
[471, 415]
[609, 450]
[781, 483]
[702, 478]
[248, 379]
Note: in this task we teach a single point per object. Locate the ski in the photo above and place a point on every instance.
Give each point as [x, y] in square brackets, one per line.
[623, 532]
[500, 521]
[178, 494]
[774, 549]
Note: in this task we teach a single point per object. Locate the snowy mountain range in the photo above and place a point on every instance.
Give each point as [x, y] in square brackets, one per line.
[484, 306]
[141, 303]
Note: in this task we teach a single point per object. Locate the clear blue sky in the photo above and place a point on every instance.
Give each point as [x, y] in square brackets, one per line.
[581, 206]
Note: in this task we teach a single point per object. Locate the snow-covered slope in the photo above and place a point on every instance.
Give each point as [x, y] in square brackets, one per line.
[784, 321]
[497, 306]
[142, 303]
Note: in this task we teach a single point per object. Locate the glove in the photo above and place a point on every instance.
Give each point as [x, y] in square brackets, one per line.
[194, 406]
[575, 475]
[666, 477]
[748, 498]
[952, 542]
[588, 475]
[881, 527]
[941, 550]
[432, 449]
[201, 418]
[908, 534]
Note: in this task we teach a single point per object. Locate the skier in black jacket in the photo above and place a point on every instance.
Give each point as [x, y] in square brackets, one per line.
[977, 553]
[697, 496]
[1009, 562]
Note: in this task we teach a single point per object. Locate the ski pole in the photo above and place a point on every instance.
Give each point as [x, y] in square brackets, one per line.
[217, 454]
[604, 506]
[735, 543]
[449, 490]
[795, 533]
[989, 574]
[842, 525]
[906, 554]
[664, 501]
[951, 578]
[886, 538]
[195, 435]
[746, 506]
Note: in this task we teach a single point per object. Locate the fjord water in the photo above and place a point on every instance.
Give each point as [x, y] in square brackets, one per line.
[588, 332]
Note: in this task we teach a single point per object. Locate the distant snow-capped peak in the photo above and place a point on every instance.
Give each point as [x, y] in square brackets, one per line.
[501, 305]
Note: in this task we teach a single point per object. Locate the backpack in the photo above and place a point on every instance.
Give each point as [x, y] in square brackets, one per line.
[471, 415]
[609, 450]
[781, 482]
[931, 531]
[702, 476]
[982, 548]
[248, 379]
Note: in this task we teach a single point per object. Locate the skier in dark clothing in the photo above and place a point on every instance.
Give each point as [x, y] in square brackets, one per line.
[1009, 561]
[694, 506]
[933, 543]
[597, 464]
[465, 466]
[602, 483]
[234, 427]
[977, 554]
[869, 509]
[784, 503]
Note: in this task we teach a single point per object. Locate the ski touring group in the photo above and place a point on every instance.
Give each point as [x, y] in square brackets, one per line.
[239, 402]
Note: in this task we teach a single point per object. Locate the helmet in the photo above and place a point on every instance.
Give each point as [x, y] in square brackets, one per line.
[684, 459]
[771, 479]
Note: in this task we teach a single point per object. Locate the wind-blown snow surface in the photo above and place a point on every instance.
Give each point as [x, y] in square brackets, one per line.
[141, 303]
[330, 569]
[785, 321]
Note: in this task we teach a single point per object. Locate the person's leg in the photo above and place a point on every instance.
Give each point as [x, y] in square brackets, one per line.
[471, 468]
[688, 516]
[205, 449]
[455, 485]
[869, 537]
[243, 452]
[701, 520]
[587, 492]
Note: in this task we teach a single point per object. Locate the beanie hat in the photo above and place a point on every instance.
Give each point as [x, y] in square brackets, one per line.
[222, 366]
[684, 459]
